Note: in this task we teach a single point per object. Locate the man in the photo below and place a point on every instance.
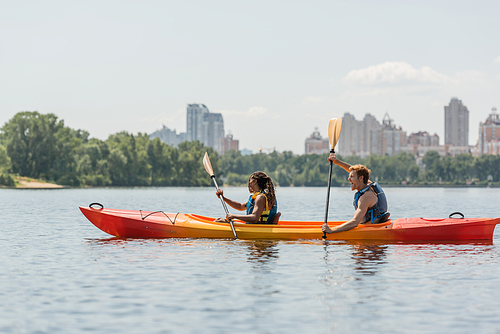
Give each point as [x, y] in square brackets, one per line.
[370, 202]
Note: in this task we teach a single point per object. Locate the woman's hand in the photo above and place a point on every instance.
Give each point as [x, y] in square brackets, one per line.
[229, 217]
[219, 193]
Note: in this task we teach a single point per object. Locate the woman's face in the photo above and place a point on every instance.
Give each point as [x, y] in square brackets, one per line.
[253, 187]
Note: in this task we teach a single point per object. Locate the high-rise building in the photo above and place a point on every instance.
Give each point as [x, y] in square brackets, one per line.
[370, 137]
[204, 126]
[168, 136]
[227, 144]
[350, 140]
[370, 127]
[489, 134]
[456, 123]
[389, 139]
[194, 119]
[316, 144]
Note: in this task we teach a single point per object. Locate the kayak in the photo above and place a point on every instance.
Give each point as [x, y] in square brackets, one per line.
[158, 224]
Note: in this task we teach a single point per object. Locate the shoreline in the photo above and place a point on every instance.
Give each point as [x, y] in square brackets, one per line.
[53, 186]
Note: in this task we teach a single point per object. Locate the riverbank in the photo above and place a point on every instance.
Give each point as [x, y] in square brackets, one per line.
[29, 183]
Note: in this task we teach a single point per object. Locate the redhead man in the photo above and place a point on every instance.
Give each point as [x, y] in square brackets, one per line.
[370, 202]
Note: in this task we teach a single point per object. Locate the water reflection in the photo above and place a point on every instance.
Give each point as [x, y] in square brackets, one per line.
[262, 251]
[368, 257]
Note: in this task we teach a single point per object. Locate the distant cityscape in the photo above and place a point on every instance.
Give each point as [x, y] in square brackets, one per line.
[360, 138]
[368, 136]
[204, 126]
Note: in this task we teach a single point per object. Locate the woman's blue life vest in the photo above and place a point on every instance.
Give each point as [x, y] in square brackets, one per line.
[267, 215]
[377, 213]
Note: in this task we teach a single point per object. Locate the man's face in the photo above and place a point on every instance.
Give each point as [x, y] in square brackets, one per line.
[356, 182]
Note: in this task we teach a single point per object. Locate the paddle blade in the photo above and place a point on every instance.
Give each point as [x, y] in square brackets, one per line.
[334, 127]
[208, 165]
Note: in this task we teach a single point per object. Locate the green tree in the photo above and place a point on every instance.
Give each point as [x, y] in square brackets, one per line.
[31, 142]
[162, 158]
[128, 159]
[4, 160]
[431, 161]
[487, 165]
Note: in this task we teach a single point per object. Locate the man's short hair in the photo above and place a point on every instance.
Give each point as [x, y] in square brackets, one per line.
[361, 171]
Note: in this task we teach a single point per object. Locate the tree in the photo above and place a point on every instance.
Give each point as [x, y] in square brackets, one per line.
[431, 161]
[4, 160]
[31, 142]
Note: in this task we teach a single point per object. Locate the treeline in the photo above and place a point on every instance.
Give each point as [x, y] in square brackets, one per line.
[42, 147]
[402, 168]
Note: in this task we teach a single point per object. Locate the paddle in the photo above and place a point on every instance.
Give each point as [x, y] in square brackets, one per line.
[210, 171]
[334, 127]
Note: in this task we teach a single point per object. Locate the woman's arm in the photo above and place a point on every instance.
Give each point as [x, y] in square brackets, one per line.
[260, 204]
[235, 205]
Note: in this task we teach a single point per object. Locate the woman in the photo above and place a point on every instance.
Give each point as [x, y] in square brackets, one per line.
[261, 206]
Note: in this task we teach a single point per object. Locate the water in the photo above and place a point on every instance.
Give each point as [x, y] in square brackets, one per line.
[60, 274]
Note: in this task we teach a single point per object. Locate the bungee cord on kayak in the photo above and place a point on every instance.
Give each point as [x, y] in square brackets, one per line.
[151, 213]
[91, 205]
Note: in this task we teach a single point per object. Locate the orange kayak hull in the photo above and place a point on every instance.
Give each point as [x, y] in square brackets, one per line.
[145, 224]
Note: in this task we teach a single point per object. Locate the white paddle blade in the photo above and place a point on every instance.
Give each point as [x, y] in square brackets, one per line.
[208, 165]
[334, 127]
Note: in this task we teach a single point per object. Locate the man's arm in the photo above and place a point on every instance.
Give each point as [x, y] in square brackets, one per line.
[333, 158]
[363, 205]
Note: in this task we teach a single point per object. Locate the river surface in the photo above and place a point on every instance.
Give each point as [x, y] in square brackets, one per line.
[60, 274]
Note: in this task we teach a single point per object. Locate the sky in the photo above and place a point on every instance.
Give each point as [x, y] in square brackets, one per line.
[275, 70]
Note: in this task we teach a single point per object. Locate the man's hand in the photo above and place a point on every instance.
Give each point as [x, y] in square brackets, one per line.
[332, 158]
[326, 228]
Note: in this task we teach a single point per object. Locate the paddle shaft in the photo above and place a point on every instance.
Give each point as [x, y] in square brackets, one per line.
[328, 193]
[225, 207]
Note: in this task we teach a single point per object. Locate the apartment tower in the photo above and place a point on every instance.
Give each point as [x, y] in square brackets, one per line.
[456, 124]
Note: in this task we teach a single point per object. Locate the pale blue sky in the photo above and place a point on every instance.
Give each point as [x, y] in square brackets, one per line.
[274, 69]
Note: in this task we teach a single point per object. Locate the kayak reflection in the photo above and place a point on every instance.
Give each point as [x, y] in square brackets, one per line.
[368, 257]
[262, 251]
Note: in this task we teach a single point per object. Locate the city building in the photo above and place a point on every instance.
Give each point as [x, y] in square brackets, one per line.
[357, 136]
[168, 136]
[194, 119]
[389, 139]
[456, 123]
[201, 125]
[204, 126]
[423, 138]
[368, 136]
[421, 142]
[316, 144]
[246, 151]
[227, 144]
[443, 150]
[370, 126]
[350, 142]
[489, 134]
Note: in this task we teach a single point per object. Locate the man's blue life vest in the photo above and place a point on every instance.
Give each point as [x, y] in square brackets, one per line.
[267, 215]
[377, 213]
